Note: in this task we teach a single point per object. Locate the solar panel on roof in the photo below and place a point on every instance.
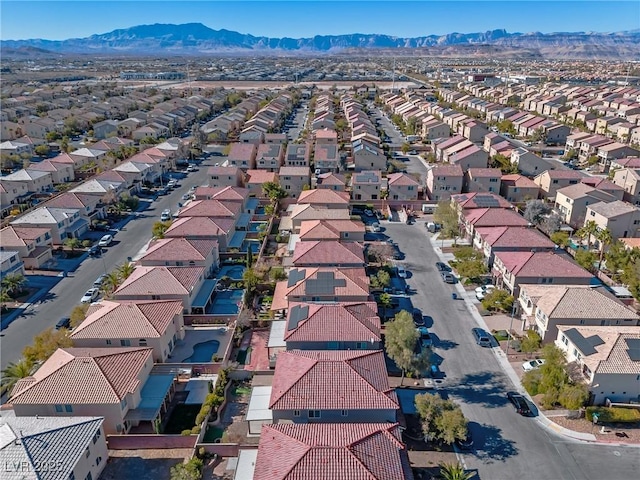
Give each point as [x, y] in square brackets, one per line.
[580, 342]
[324, 284]
[295, 276]
[633, 348]
[486, 201]
[296, 315]
[595, 340]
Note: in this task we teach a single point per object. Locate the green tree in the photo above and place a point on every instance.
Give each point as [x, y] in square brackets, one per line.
[159, 228]
[401, 336]
[274, 191]
[110, 283]
[405, 147]
[588, 231]
[251, 280]
[472, 269]
[385, 303]
[560, 238]
[72, 243]
[531, 342]
[605, 238]
[447, 216]
[574, 395]
[42, 150]
[498, 300]
[13, 283]
[15, 371]
[534, 211]
[586, 259]
[192, 470]
[383, 278]
[454, 471]
[125, 270]
[249, 258]
[78, 314]
[45, 344]
[441, 419]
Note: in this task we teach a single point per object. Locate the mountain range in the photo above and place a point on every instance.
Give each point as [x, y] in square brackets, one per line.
[197, 39]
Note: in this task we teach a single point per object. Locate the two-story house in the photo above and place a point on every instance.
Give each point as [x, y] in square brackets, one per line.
[326, 158]
[181, 252]
[517, 188]
[629, 180]
[225, 176]
[482, 180]
[490, 240]
[572, 202]
[32, 244]
[551, 181]
[366, 185]
[298, 155]
[342, 230]
[621, 218]
[402, 186]
[269, 157]
[204, 229]
[242, 155]
[294, 180]
[328, 253]
[490, 217]
[443, 181]
[62, 223]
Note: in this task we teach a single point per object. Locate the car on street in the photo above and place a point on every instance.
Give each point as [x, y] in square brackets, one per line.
[418, 319]
[466, 443]
[64, 322]
[95, 251]
[100, 280]
[402, 273]
[533, 364]
[443, 267]
[481, 337]
[519, 403]
[448, 277]
[172, 183]
[425, 337]
[186, 196]
[105, 241]
[166, 215]
[368, 212]
[375, 227]
[192, 168]
[484, 290]
[90, 295]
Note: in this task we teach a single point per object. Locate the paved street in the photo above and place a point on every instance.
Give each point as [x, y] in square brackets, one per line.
[507, 446]
[67, 293]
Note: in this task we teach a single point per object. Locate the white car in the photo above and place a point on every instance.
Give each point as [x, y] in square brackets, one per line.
[375, 227]
[166, 215]
[90, 295]
[483, 291]
[105, 241]
[532, 364]
[402, 273]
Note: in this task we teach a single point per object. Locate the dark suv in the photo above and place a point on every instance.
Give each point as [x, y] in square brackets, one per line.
[520, 404]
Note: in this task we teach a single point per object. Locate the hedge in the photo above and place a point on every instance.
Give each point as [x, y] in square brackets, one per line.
[613, 414]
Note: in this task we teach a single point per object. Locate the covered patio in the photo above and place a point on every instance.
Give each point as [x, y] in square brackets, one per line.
[203, 298]
[155, 398]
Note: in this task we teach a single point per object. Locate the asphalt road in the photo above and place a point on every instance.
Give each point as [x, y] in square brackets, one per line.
[66, 294]
[507, 445]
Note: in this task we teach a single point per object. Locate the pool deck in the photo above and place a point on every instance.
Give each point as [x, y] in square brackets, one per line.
[195, 335]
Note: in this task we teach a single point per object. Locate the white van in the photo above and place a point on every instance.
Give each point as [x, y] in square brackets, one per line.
[428, 208]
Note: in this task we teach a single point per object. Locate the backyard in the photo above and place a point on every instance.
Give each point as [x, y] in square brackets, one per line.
[183, 417]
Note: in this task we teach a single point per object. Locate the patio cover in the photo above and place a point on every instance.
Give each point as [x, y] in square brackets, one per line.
[246, 464]
[204, 295]
[237, 239]
[198, 389]
[252, 204]
[152, 397]
[243, 220]
[259, 405]
[276, 335]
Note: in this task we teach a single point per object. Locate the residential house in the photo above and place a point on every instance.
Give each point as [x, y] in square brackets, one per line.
[324, 230]
[490, 240]
[10, 263]
[12, 193]
[511, 269]
[277, 138]
[52, 447]
[180, 252]
[251, 136]
[444, 181]
[629, 180]
[572, 202]
[473, 200]
[319, 284]
[106, 128]
[433, 128]
[60, 172]
[154, 324]
[225, 176]
[270, 157]
[34, 180]
[304, 389]
[242, 155]
[331, 181]
[517, 188]
[298, 155]
[367, 156]
[294, 180]
[203, 228]
[106, 382]
[326, 158]
[607, 358]
[545, 307]
[613, 151]
[490, 217]
[551, 181]
[87, 156]
[257, 178]
[292, 451]
[63, 223]
[211, 208]
[366, 185]
[621, 218]
[32, 244]
[328, 253]
[605, 185]
[402, 186]
[529, 163]
[325, 136]
[107, 191]
[482, 180]
[163, 283]
[321, 198]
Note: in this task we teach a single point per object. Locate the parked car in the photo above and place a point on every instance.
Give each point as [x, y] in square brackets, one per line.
[100, 280]
[482, 337]
[402, 273]
[166, 215]
[64, 322]
[466, 443]
[90, 295]
[192, 168]
[95, 251]
[172, 183]
[484, 290]
[375, 227]
[417, 317]
[519, 403]
[532, 364]
[448, 277]
[443, 267]
[105, 241]
[186, 196]
[425, 337]
[368, 212]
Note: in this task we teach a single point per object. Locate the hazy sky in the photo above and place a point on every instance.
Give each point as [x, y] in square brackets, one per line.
[57, 20]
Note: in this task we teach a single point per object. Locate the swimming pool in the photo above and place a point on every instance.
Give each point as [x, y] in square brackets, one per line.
[226, 302]
[248, 244]
[257, 226]
[234, 272]
[203, 352]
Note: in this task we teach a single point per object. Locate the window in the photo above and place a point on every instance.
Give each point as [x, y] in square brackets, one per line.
[564, 340]
[125, 343]
[87, 452]
[72, 476]
[108, 342]
[296, 413]
[58, 408]
[68, 408]
[554, 181]
[96, 437]
[410, 188]
[98, 460]
[142, 342]
[314, 413]
[344, 413]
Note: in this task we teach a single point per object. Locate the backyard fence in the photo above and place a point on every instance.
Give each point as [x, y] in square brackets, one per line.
[150, 442]
[209, 319]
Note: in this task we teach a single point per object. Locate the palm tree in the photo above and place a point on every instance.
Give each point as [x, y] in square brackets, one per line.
[110, 283]
[605, 238]
[454, 471]
[125, 270]
[589, 229]
[4, 297]
[13, 283]
[15, 371]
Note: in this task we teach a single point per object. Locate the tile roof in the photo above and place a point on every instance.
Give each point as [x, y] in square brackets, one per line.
[160, 281]
[300, 171]
[613, 209]
[83, 376]
[357, 322]
[177, 249]
[211, 208]
[242, 151]
[261, 176]
[199, 227]
[324, 197]
[401, 179]
[480, 200]
[31, 443]
[518, 180]
[142, 319]
[541, 264]
[313, 212]
[230, 170]
[494, 217]
[485, 173]
[15, 236]
[328, 229]
[356, 451]
[329, 253]
[331, 380]
[514, 237]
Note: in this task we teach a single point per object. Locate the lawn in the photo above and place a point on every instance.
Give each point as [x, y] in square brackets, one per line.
[182, 418]
[614, 414]
[242, 390]
[212, 434]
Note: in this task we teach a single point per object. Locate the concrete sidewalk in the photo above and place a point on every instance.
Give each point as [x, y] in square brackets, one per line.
[541, 418]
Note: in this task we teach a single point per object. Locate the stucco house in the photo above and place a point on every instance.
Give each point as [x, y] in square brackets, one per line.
[402, 186]
[366, 185]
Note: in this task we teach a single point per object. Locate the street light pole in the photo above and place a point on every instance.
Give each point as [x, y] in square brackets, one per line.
[513, 311]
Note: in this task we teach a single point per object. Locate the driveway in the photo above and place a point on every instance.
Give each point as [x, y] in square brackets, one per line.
[507, 446]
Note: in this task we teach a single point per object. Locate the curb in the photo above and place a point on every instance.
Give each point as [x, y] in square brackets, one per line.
[542, 419]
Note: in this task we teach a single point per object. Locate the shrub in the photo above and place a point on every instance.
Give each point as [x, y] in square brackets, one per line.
[614, 414]
[531, 382]
[87, 243]
[202, 415]
[574, 396]
[195, 430]
[185, 433]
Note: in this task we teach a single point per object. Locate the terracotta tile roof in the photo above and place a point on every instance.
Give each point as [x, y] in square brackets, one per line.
[480, 200]
[446, 170]
[230, 170]
[541, 264]
[199, 227]
[63, 158]
[613, 209]
[230, 194]
[295, 171]
[72, 200]
[242, 151]
[160, 281]
[324, 197]
[261, 176]
[485, 173]
[357, 322]
[329, 253]
[518, 180]
[14, 236]
[332, 179]
[141, 319]
[346, 451]
[563, 174]
[331, 380]
[314, 212]
[211, 208]
[631, 242]
[84, 376]
[401, 179]
[176, 249]
[514, 237]
[494, 217]
[328, 229]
